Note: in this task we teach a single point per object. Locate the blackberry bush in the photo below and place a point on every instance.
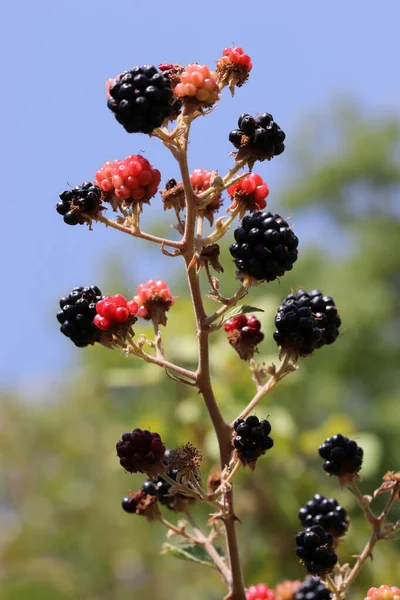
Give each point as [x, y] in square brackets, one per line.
[146, 100]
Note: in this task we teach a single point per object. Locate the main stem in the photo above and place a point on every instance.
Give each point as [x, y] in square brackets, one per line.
[223, 430]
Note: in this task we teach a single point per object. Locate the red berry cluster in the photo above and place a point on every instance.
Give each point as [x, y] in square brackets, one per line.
[235, 56]
[197, 81]
[132, 179]
[154, 299]
[114, 310]
[383, 592]
[260, 592]
[140, 451]
[244, 334]
[249, 193]
[201, 181]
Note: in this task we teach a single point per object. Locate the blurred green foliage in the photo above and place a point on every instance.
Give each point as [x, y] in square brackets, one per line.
[63, 535]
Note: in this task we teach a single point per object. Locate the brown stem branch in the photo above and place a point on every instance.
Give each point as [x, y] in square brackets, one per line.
[140, 234]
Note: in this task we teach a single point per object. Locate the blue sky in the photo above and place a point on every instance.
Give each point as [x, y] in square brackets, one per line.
[56, 129]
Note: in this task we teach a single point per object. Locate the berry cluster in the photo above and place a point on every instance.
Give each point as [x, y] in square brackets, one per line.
[154, 299]
[312, 589]
[251, 438]
[78, 311]
[141, 99]
[114, 310]
[343, 457]
[258, 137]
[233, 68]
[140, 451]
[201, 181]
[85, 198]
[287, 589]
[325, 512]
[198, 83]
[383, 592]
[314, 548]
[249, 193]
[265, 246]
[132, 179]
[324, 311]
[297, 331]
[244, 333]
[260, 592]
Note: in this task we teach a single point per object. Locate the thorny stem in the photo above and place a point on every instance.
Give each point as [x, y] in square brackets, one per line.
[221, 230]
[139, 234]
[226, 482]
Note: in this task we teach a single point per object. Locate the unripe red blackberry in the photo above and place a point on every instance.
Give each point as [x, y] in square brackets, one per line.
[201, 181]
[325, 512]
[314, 548]
[260, 592]
[113, 311]
[85, 198]
[141, 99]
[265, 246]
[383, 592]
[249, 194]
[141, 451]
[343, 457]
[312, 589]
[233, 68]
[257, 138]
[154, 300]
[244, 334]
[129, 181]
[297, 330]
[77, 313]
[251, 438]
[324, 311]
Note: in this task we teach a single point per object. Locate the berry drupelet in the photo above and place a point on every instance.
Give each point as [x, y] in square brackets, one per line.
[257, 138]
[324, 311]
[343, 457]
[244, 333]
[325, 512]
[265, 246]
[141, 99]
[141, 451]
[251, 438]
[383, 592]
[260, 592]
[312, 589]
[314, 548]
[297, 330]
[129, 505]
[77, 313]
[85, 198]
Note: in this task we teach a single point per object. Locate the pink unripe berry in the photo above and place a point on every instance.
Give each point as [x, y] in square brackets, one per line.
[260, 592]
[384, 592]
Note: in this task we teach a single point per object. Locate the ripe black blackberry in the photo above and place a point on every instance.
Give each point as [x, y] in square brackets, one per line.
[325, 512]
[78, 310]
[85, 198]
[343, 457]
[140, 451]
[312, 589]
[251, 438]
[141, 99]
[259, 137]
[265, 246]
[297, 330]
[314, 548]
[324, 311]
[129, 505]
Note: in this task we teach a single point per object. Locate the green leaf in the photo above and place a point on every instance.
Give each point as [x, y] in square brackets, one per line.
[242, 310]
[190, 552]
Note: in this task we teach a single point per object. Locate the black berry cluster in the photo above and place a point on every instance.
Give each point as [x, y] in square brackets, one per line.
[261, 136]
[314, 548]
[141, 99]
[78, 310]
[265, 246]
[140, 450]
[85, 198]
[325, 512]
[251, 438]
[312, 589]
[342, 455]
[297, 330]
[324, 311]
